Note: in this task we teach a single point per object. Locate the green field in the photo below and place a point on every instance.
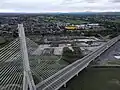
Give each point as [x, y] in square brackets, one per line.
[76, 21]
[2, 42]
[96, 79]
[116, 21]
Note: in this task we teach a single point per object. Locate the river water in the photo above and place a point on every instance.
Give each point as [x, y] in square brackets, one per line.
[95, 79]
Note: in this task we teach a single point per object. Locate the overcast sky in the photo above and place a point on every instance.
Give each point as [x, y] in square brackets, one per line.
[38, 6]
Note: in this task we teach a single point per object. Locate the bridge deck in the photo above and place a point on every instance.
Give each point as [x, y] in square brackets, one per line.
[63, 76]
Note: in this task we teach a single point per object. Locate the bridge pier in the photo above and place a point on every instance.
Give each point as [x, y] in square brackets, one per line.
[77, 74]
[65, 85]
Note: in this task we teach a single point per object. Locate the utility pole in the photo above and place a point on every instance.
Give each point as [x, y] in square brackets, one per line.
[28, 82]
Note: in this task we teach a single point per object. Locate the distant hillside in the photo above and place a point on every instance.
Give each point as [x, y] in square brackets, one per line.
[92, 13]
[60, 13]
[109, 13]
[80, 13]
[57, 13]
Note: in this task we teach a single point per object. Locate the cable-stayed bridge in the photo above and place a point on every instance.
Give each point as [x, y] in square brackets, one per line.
[24, 70]
[12, 65]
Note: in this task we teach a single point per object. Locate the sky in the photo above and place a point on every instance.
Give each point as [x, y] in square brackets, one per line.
[43, 6]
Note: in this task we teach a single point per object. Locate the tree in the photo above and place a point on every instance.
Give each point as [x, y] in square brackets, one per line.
[71, 56]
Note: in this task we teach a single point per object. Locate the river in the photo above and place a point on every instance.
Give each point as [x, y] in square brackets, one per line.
[95, 79]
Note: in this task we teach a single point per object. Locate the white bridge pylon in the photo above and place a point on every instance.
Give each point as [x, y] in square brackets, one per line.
[28, 81]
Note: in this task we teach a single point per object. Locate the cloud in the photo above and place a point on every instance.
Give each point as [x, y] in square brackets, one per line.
[58, 5]
[90, 1]
[115, 1]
